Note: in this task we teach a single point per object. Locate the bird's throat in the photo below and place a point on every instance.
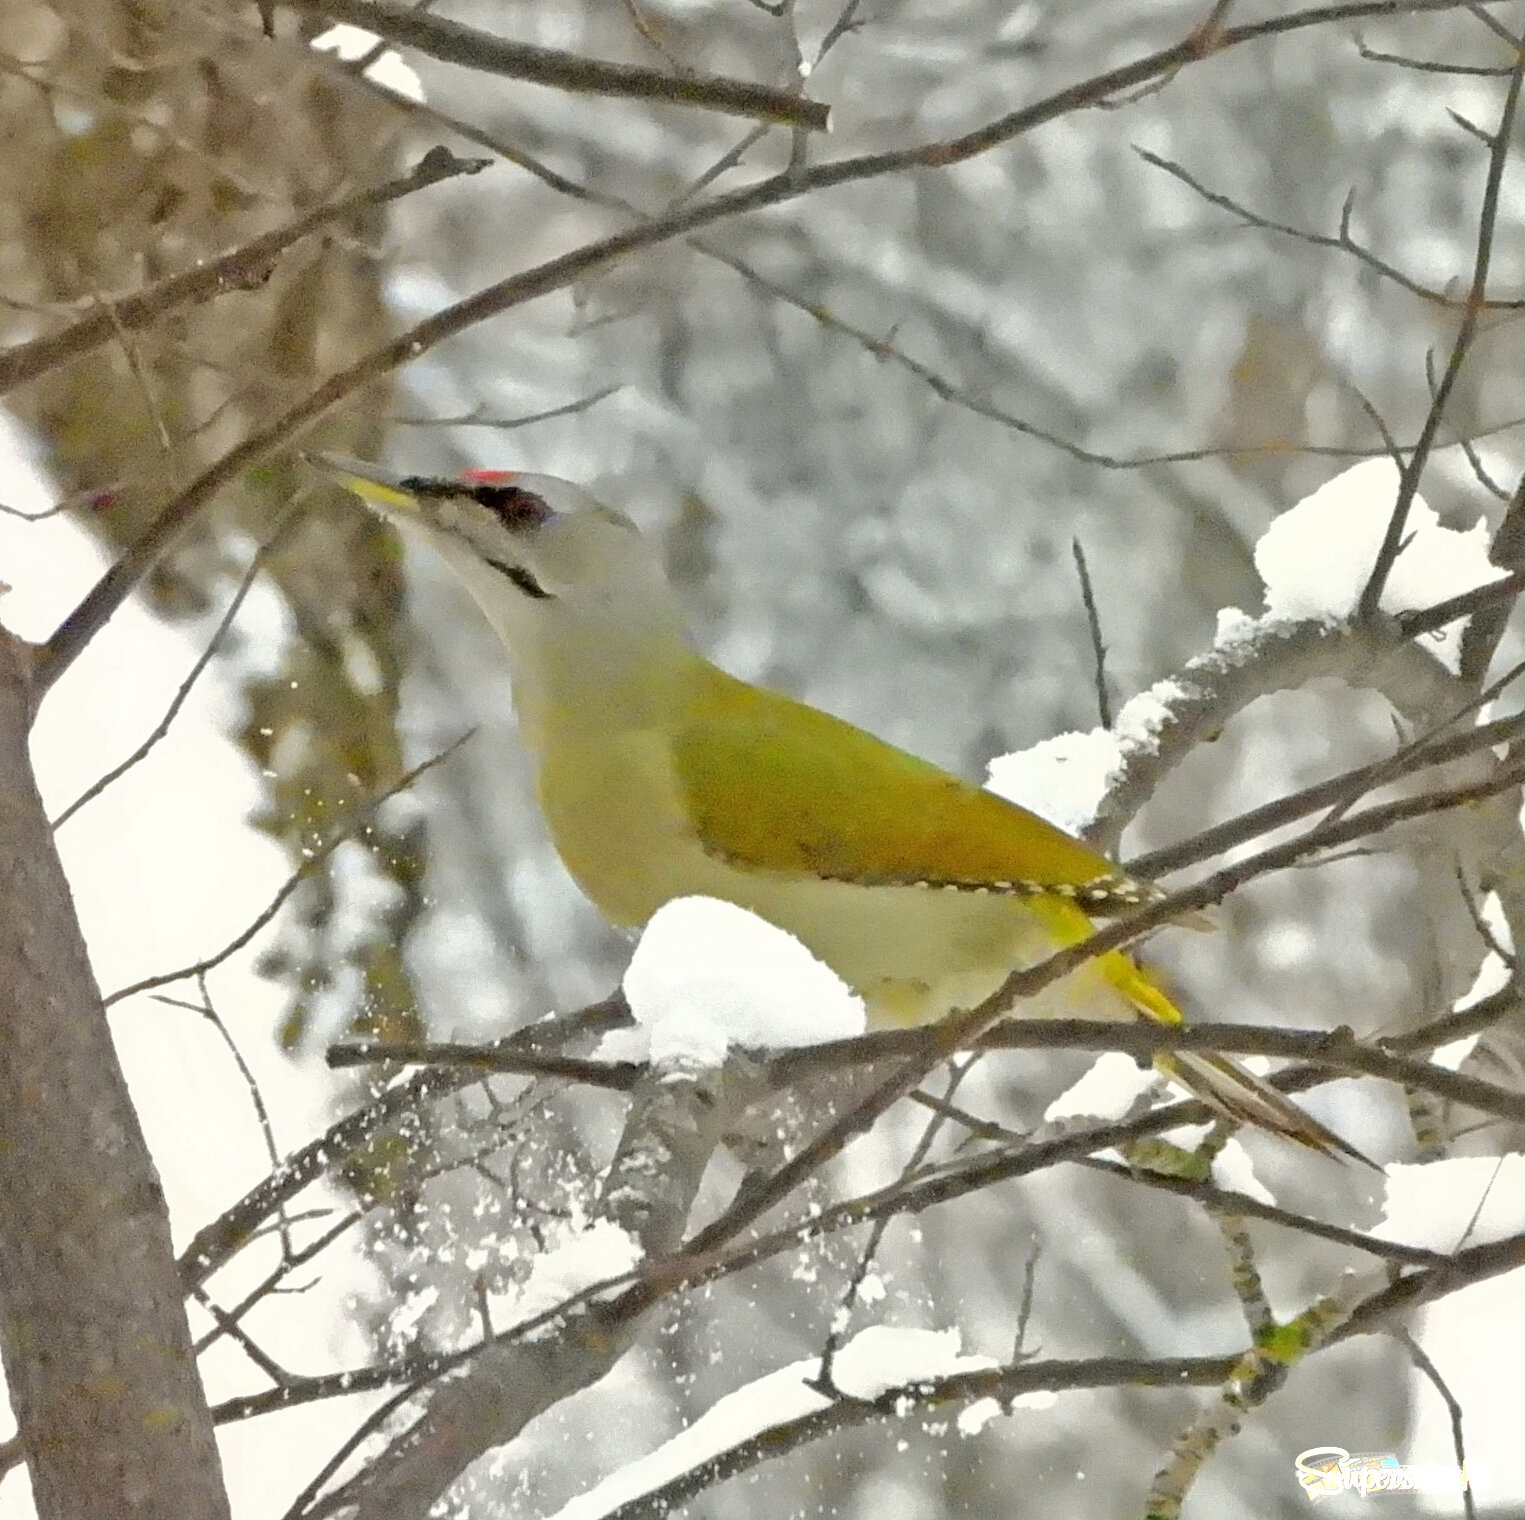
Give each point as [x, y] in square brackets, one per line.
[583, 689]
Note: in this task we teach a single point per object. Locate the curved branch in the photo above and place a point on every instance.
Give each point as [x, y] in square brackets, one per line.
[1218, 685]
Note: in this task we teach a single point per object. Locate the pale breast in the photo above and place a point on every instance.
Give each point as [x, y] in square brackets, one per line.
[613, 811]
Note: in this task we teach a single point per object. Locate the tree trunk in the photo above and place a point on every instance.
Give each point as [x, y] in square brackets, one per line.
[96, 1348]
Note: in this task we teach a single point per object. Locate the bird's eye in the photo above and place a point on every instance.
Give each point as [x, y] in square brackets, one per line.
[521, 578]
[513, 506]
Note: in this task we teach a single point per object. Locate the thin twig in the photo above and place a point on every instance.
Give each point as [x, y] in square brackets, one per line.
[1480, 924]
[251, 1348]
[1093, 623]
[1409, 1292]
[1341, 242]
[1428, 619]
[870, 1251]
[1420, 1358]
[215, 1244]
[271, 1281]
[1215, 1198]
[1480, 638]
[93, 497]
[309, 865]
[208, 1010]
[1244, 1273]
[183, 691]
[139, 372]
[1408, 486]
[478, 418]
[1338, 1050]
[1431, 65]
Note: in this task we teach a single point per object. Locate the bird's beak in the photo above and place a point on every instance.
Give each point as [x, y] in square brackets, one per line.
[375, 486]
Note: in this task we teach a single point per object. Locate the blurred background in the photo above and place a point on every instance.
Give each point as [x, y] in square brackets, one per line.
[867, 427]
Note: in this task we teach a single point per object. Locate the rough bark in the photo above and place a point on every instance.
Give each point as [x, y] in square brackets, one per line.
[96, 1348]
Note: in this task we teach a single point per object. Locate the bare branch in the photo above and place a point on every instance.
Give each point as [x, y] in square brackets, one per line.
[1348, 785]
[919, 1153]
[1216, 685]
[1244, 1273]
[1251, 1376]
[1259, 1373]
[243, 268]
[1242, 1206]
[924, 1400]
[1480, 638]
[675, 1121]
[502, 1058]
[1427, 619]
[1341, 242]
[1432, 66]
[451, 42]
[1336, 1049]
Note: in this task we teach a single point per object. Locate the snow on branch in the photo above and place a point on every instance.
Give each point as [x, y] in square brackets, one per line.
[1313, 562]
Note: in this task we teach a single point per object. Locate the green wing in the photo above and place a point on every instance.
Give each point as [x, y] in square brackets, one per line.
[775, 785]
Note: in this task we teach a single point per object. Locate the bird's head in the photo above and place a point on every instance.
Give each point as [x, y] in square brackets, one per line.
[539, 555]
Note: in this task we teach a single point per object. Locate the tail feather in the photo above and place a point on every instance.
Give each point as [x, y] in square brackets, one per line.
[1227, 1088]
[1223, 1084]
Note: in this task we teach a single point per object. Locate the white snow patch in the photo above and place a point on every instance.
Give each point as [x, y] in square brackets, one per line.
[1433, 1204]
[707, 975]
[1187, 1137]
[874, 1361]
[973, 1418]
[364, 896]
[1451, 1056]
[1288, 947]
[1235, 628]
[1143, 716]
[976, 1416]
[1063, 779]
[884, 1357]
[1233, 1169]
[1109, 1090]
[389, 71]
[1493, 976]
[587, 1255]
[409, 1314]
[1315, 559]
